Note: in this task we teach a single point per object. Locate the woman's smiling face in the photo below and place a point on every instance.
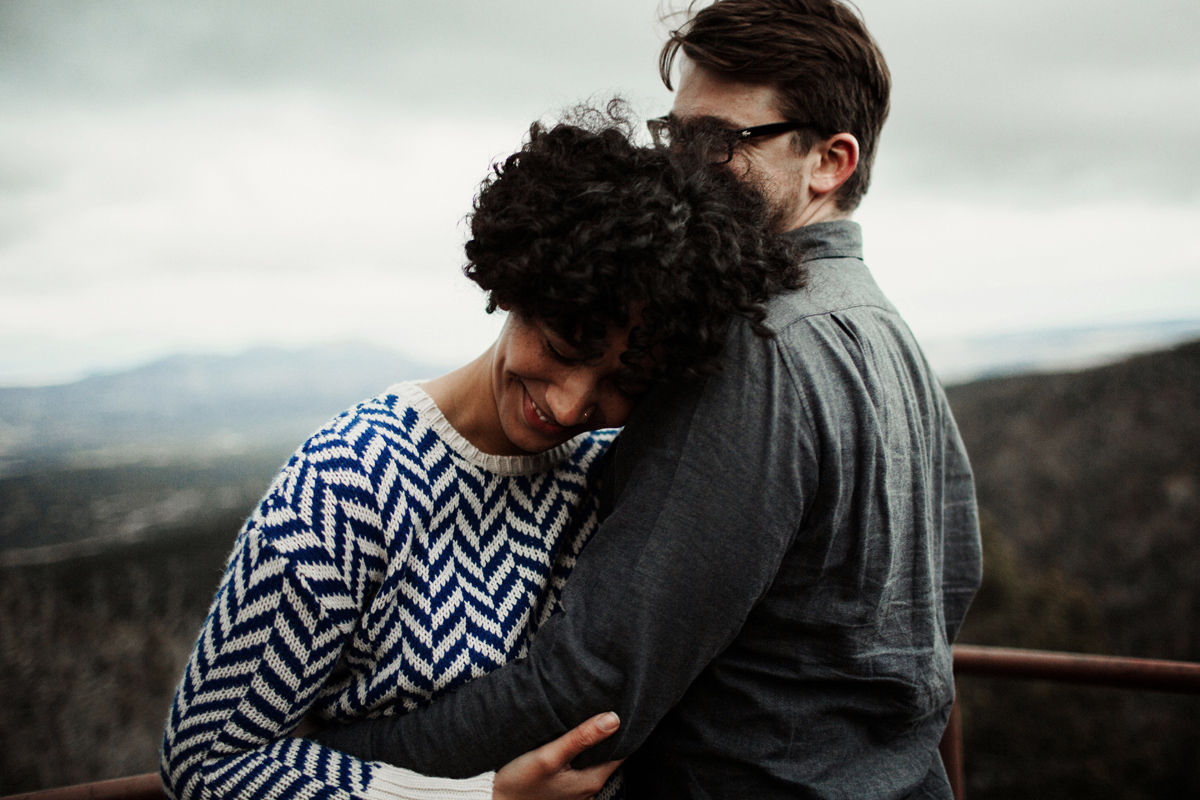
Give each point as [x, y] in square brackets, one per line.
[547, 391]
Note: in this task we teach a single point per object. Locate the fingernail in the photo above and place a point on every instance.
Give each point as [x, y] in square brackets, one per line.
[608, 722]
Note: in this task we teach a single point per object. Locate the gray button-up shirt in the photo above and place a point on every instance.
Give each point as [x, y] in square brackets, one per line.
[791, 547]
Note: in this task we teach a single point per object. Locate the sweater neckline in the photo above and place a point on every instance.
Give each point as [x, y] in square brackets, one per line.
[429, 413]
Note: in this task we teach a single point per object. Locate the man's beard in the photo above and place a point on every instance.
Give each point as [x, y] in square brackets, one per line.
[779, 208]
[778, 217]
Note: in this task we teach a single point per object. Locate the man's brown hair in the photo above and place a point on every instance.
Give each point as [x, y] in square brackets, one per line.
[817, 54]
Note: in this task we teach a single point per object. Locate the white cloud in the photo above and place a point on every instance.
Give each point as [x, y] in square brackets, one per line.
[436, 317]
[961, 268]
[278, 183]
[213, 174]
[220, 222]
[1048, 99]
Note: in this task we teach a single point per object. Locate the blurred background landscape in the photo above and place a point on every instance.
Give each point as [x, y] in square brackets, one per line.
[221, 223]
[121, 496]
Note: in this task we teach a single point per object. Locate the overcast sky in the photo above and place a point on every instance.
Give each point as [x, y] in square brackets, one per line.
[209, 176]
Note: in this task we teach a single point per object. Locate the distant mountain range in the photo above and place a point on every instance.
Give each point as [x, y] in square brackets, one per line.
[192, 407]
[962, 359]
[196, 407]
[189, 439]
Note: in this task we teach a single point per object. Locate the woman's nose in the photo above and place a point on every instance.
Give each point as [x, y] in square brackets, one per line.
[573, 401]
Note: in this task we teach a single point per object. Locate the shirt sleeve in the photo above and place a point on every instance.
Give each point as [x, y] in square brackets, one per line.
[962, 563]
[709, 498]
[283, 615]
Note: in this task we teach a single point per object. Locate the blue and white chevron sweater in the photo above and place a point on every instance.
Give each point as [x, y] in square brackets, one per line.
[389, 562]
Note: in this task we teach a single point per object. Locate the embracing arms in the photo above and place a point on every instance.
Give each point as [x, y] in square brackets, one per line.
[692, 544]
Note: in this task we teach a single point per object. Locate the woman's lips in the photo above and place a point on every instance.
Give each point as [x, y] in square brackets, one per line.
[535, 420]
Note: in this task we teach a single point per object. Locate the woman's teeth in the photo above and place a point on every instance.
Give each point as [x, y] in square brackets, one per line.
[542, 416]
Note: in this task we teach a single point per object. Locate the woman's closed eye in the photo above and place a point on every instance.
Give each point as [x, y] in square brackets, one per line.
[560, 353]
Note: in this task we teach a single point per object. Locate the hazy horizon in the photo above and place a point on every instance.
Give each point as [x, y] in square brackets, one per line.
[213, 176]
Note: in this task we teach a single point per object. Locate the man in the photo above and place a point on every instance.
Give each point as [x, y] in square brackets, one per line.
[792, 543]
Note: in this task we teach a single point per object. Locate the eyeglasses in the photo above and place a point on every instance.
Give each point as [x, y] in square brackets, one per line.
[720, 142]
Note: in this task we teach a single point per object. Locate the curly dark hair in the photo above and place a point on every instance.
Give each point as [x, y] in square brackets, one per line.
[584, 229]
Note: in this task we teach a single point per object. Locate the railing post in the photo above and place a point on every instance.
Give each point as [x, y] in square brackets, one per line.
[951, 748]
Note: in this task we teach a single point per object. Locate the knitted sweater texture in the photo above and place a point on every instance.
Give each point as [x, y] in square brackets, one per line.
[389, 563]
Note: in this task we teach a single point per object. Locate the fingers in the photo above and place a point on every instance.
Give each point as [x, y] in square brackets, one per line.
[595, 777]
[546, 773]
[563, 750]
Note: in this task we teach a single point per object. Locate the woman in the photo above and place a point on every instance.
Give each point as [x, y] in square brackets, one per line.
[419, 539]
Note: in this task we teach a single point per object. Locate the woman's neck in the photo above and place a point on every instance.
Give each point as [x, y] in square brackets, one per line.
[466, 400]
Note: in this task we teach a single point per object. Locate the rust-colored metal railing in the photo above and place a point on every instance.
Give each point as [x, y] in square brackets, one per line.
[989, 662]
[138, 787]
[1039, 665]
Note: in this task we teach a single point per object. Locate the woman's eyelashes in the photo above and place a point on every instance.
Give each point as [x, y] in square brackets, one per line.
[558, 355]
[563, 353]
[626, 383]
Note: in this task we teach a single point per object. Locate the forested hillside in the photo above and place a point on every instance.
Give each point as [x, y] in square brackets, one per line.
[1089, 485]
[91, 649]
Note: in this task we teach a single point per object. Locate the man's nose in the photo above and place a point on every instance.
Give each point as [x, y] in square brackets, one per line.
[573, 401]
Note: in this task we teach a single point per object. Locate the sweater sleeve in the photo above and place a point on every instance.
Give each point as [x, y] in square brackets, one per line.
[285, 611]
[704, 515]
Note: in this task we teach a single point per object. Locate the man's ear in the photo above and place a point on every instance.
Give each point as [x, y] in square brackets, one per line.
[837, 160]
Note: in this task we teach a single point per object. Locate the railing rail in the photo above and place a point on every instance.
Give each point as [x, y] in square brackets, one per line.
[988, 662]
[137, 787]
[1138, 674]
[1119, 673]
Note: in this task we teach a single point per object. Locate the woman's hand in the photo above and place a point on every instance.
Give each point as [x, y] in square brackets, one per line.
[546, 774]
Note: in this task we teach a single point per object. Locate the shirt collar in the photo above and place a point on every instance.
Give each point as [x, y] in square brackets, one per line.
[840, 238]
